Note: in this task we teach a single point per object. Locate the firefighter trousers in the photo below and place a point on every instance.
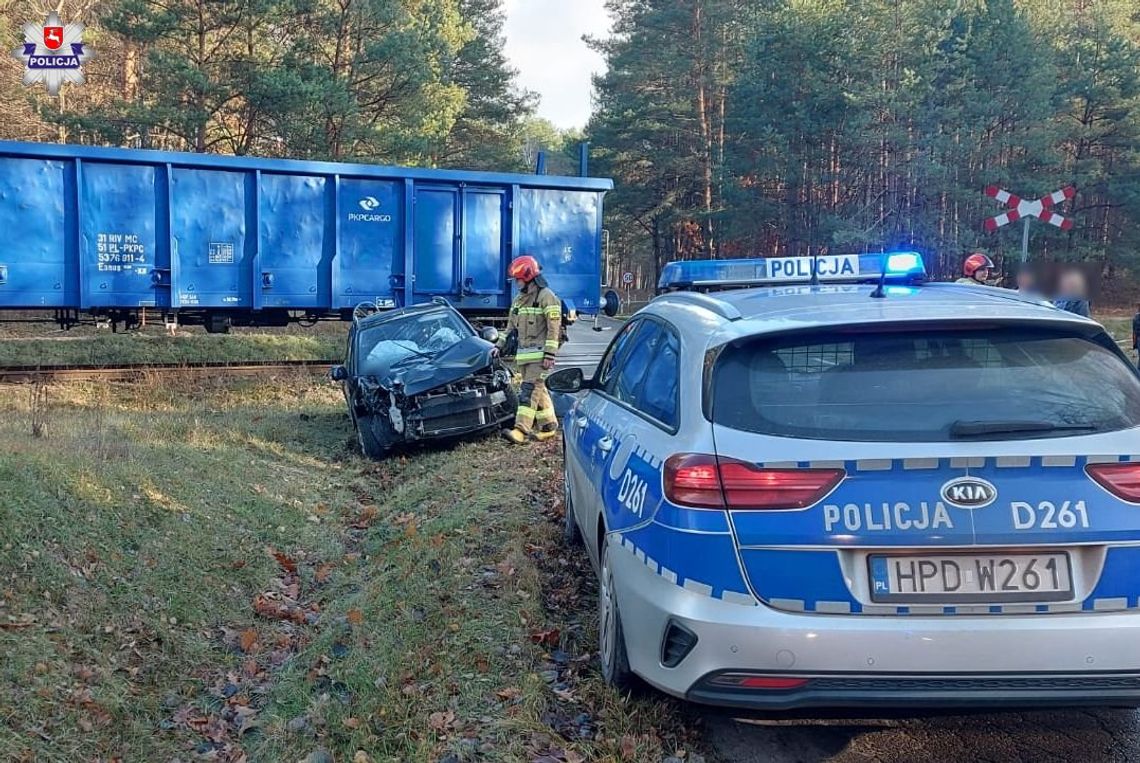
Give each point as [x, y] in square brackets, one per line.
[535, 405]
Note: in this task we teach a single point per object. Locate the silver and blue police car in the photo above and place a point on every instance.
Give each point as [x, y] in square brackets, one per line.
[859, 490]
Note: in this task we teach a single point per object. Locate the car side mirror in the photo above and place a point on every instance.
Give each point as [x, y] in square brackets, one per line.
[489, 333]
[338, 373]
[568, 380]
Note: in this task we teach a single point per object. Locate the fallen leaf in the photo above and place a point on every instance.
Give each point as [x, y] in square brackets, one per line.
[410, 530]
[509, 693]
[286, 563]
[628, 747]
[364, 518]
[361, 757]
[440, 721]
[323, 572]
[546, 637]
[437, 540]
[482, 665]
[248, 639]
[573, 757]
[351, 723]
[354, 616]
[273, 609]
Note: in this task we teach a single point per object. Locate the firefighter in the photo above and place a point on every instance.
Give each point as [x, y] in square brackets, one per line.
[976, 269]
[535, 319]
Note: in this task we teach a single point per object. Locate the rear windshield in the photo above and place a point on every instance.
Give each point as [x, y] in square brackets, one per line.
[925, 386]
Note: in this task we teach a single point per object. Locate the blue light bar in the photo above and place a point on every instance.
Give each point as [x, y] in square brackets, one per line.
[898, 267]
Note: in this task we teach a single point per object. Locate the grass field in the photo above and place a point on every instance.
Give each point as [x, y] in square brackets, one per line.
[212, 573]
[105, 349]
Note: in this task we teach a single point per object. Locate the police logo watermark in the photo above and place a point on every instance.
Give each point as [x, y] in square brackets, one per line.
[53, 54]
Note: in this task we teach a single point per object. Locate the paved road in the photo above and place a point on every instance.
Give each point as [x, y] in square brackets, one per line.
[1094, 736]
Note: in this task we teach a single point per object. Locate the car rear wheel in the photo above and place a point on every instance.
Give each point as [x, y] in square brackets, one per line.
[570, 532]
[611, 636]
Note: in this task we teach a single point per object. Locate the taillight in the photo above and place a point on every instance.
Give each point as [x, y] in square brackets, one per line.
[691, 479]
[1121, 479]
[704, 481]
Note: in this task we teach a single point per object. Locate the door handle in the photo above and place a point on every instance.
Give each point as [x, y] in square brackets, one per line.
[581, 421]
[606, 444]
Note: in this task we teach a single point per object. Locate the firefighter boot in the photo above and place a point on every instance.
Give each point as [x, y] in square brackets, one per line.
[524, 423]
[547, 424]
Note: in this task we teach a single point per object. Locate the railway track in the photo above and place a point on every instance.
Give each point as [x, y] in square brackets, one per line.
[132, 371]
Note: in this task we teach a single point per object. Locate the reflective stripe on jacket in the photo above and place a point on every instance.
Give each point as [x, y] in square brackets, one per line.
[537, 318]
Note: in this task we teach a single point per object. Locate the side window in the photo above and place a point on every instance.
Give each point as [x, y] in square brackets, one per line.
[615, 355]
[658, 394]
[626, 381]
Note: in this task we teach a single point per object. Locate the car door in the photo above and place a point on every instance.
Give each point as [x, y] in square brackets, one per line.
[586, 431]
[640, 406]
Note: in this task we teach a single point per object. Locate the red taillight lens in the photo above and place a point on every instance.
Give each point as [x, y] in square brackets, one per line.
[749, 487]
[704, 481]
[691, 479]
[1122, 480]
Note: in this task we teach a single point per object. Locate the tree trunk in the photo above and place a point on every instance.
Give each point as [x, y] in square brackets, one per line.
[700, 85]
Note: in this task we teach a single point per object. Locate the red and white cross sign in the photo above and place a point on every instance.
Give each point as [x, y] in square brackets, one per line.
[1020, 208]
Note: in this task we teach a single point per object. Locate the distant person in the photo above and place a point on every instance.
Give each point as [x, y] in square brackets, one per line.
[977, 269]
[1027, 283]
[1072, 293]
[1136, 333]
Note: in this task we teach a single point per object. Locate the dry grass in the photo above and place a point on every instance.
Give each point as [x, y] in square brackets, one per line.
[415, 609]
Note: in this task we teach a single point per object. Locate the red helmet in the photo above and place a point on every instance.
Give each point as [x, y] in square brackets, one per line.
[975, 262]
[524, 268]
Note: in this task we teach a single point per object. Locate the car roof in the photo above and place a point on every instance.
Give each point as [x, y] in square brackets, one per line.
[726, 315]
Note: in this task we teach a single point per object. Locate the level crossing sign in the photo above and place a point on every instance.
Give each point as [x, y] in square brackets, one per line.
[1027, 209]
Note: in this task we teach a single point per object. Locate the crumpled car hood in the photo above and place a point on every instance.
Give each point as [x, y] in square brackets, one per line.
[461, 359]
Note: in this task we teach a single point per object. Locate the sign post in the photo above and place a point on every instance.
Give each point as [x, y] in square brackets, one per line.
[1023, 209]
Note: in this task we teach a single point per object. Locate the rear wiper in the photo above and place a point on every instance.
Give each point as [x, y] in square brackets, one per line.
[963, 428]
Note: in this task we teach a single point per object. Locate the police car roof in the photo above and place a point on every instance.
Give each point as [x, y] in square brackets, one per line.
[772, 309]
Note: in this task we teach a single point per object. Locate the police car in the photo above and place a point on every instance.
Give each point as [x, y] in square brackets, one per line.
[859, 490]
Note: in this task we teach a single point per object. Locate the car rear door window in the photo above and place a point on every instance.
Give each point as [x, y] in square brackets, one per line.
[617, 352]
[936, 384]
[645, 377]
[658, 394]
[626, 381]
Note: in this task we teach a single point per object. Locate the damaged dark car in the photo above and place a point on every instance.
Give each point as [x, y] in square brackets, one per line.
[423, 373]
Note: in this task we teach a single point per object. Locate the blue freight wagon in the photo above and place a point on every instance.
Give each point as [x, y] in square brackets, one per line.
[221, 240]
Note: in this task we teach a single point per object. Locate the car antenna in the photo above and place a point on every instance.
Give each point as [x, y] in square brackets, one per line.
[878, 293]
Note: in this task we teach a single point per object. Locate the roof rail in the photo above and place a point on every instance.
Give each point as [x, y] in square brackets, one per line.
[723, 309]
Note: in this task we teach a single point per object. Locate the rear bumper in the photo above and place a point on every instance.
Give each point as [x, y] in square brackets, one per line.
[930, 691]
[1082, 658]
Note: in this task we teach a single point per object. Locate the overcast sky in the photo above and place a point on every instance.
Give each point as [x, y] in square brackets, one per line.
[544, 42]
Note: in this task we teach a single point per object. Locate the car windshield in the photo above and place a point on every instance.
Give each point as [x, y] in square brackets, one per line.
[419, 335]
[928, 385]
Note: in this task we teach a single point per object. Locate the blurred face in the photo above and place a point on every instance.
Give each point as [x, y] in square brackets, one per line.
[982, 274]
[1024, 280]
[521, 284]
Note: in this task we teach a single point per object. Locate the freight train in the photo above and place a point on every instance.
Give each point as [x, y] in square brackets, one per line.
[111, 234]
